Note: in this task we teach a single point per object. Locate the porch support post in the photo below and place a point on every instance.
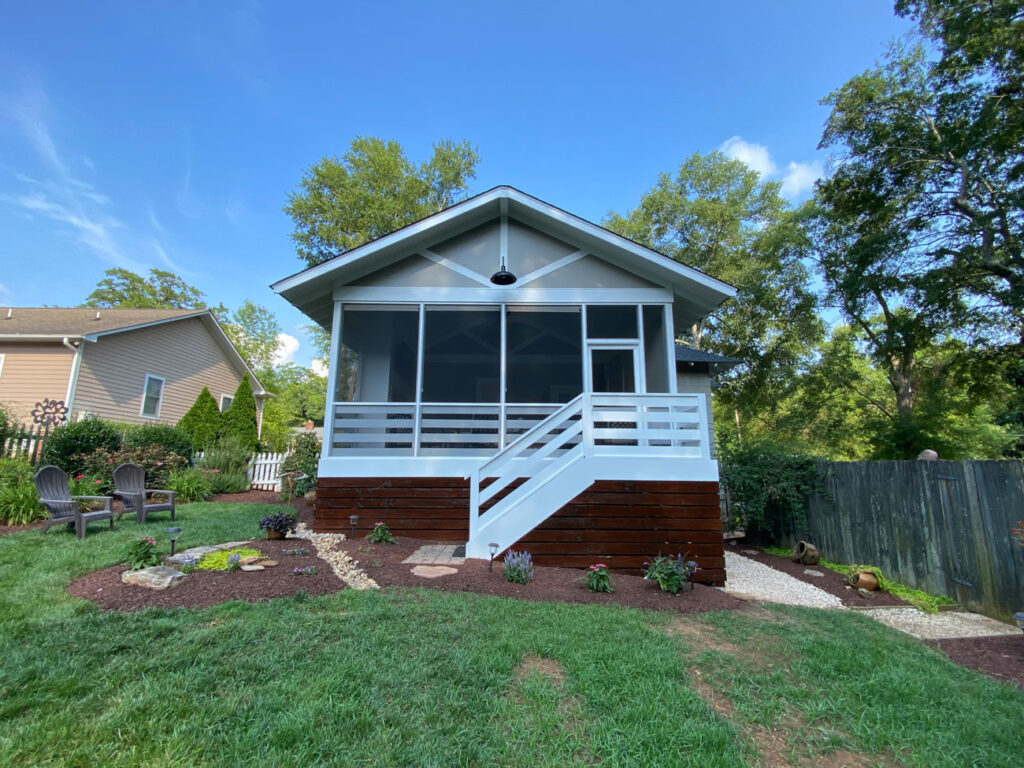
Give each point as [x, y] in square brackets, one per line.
[670, 344]
[641, 353]
[587, 382]
[332, 382]
[418, 407]
[502, 377]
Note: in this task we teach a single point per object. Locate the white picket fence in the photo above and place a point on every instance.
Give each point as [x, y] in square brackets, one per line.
[264, 470]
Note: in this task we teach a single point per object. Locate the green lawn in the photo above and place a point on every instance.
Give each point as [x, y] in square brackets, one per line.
[425, 678]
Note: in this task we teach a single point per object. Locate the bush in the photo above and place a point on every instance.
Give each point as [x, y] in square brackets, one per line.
[381, 534]
[303, 458]
[172, 439]
[154, 460]
[70, 443]
[228, 462]
[191, 484]
[768, 488]
[598, 579]
[19, 503]
[240, 417]
[7, 426]
[203, 422]
[15, 471]
[282, 522]
[518, 567]
[85, 485]
[670, 574]
[142, 553]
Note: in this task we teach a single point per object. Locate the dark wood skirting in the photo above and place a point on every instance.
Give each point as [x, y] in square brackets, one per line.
[620, 523]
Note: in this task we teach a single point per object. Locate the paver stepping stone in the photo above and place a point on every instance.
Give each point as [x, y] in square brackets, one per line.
[157, 577]
[252, 567]
[433, 571]
[267, 563]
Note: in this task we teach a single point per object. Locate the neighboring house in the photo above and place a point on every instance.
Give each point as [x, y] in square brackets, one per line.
[504, 373]
[139, 366]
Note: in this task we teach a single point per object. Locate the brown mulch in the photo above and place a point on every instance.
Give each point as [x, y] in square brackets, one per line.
[201, 589]
[832, 582]
[8, 529]
[1001, 658]
[383, 563]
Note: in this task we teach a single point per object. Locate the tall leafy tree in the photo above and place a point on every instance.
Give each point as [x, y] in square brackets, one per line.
[161, 290]
[254, 330]
[371, 191]
[719, 216]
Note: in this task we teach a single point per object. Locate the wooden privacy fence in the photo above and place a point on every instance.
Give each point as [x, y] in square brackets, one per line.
[940, 526]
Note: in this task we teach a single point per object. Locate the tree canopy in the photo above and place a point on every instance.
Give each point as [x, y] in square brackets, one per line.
[371, 191]
[161, 290]
[254, 330]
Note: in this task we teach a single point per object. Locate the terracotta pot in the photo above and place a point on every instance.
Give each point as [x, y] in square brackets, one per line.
[864, 580]
[272, 534]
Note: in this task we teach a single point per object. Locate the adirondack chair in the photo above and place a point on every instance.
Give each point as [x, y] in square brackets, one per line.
[130, 487]
[52, 485]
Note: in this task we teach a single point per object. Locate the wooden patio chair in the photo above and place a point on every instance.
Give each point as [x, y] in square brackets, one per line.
[52, 485]
[130, 487]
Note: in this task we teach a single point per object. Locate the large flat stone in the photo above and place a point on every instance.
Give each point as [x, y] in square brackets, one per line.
[157, 577]
[433, 571]
[252, 567]
[194, 552]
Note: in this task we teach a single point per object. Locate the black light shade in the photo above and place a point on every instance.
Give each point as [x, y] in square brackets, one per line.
[503, 277]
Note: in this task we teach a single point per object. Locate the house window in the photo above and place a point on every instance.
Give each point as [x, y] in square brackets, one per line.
[611, 322]
[461, 355]
[152, 397]
[544, 357]
[225, 402]
[378, 354]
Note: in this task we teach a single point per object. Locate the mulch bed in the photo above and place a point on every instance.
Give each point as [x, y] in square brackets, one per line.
[201, 589]
[832, 582]
[1001, 658]
[383, 563]
[8, 529]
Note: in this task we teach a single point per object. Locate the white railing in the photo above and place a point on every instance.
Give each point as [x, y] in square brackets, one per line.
[264, 469]
[430, 429]
[551, 459]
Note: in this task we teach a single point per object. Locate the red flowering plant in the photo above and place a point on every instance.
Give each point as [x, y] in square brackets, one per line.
[86, 485]
[597, 578]
[157, 462]
[142, 553]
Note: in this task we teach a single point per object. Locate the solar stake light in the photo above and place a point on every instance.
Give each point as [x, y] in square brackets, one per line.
[493, 546]
[691, 570]
[1019, 618]
[172, 533]
[353, 521]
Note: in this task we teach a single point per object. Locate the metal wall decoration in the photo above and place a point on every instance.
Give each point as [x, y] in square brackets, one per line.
[50, 413]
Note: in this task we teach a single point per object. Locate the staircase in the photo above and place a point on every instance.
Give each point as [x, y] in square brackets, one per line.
[561, 456]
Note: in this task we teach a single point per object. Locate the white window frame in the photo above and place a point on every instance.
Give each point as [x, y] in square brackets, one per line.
[160, 400]
[229, 397]
[2, 364]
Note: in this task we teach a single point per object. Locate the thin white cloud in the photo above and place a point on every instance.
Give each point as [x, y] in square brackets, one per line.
[287, 346]
[800, 177]
[756, 156]
[796, 180]
[319, 367]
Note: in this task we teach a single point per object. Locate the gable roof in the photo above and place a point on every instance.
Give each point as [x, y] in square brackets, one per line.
[685, 354]
[311, 290]
[91, 323]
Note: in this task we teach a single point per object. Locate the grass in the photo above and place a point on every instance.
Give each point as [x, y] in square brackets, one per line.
[426, 678]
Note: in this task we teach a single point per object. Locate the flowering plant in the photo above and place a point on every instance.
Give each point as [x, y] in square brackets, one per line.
[309, 570]
[597, 578]
[142, 553]
[669, 573]
[234, 561]
[295, 551]
[518, 567]
[381, 534]
[282, 522]
[188, 563]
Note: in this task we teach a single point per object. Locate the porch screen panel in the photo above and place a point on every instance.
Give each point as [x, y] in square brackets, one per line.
[655, 364]
[544, 355]
[461, 355]
[611, 321]
[378, 355]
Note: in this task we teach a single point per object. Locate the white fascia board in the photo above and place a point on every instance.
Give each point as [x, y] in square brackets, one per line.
[507, 295]
[94, 336]
[39, 337]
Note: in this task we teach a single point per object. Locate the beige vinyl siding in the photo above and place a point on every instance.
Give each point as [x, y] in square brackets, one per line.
[182, 353]
[699, 383]
[32, 372]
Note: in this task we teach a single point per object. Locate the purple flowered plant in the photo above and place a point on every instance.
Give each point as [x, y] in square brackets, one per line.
[309, 570]
[189, 563]
[518, 567]
[234, 562]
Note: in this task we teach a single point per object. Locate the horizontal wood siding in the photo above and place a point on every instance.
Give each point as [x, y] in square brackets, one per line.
[183, 353]
[32, 372]
[622, 524]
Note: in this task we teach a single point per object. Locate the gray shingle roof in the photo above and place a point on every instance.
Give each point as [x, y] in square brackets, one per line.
[79, 321]
[685, 354]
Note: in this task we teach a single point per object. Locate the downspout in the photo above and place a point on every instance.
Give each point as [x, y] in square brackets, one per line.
[76, 366]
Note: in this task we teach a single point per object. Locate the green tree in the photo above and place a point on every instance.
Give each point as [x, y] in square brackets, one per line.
[239, 420]
[203, 421]
[717, 215]
[161, 290]
[254, 330]
[373, 190]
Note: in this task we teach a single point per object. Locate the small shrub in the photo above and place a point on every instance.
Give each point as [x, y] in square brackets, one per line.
[230, 458]
[239, 420]
[190, 485]
[142, 553]
[15, 471]
[69, 444]
[303, 458]
[518, 567]
[172, 439]
[670, 574]
[19, 503]
[85, 485]
[221, 560]
[282, 522]
[598, 579]
[309, 570]
[381, 534]
[154, 460]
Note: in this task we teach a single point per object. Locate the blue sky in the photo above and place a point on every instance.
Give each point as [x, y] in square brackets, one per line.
[168, 135]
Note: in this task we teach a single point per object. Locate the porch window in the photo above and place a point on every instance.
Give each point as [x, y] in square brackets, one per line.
[378, 354]
[655, 362]
[544, 357]
[611, 321]
[461, 355]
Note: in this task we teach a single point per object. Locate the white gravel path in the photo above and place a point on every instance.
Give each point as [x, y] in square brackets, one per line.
[928, 626]
[749, 578]
[344, 567]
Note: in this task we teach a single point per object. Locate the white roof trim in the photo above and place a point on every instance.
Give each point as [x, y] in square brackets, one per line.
[657, 260]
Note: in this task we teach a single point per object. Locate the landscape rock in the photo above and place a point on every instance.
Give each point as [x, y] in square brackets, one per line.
[433, 571]
[251, 567]
[250, 560]
[812, 572]
[267, 563]
[866, 593]
[157, 577]
[196, 552]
